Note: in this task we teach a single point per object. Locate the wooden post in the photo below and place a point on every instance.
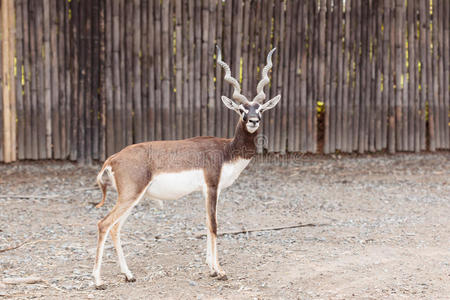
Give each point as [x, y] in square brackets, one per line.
[179, 70]
[102, 79]
[9, 102]
[339, 79]
[346, 80]
[151, 74]
[392, 87]
[291, 97]
[386, 74]
[137, 97]
[47, 80]
[205, 61]
[27, 87]
[412, 74]
[165, 79]
[211, 104]
[20, 113]
[298, 74]
[446, 58]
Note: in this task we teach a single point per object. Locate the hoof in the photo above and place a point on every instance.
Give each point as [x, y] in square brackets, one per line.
[132, 279]
[100, 287]
[213, 274]
[222, 277]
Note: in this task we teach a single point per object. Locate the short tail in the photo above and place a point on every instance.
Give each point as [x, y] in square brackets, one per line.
[102, 184]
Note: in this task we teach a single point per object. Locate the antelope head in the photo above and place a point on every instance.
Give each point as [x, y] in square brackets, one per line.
[250, 111]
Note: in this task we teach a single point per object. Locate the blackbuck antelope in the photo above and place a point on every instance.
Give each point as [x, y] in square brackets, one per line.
[169, 170]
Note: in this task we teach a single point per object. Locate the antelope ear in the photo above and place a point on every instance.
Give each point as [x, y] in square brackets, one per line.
[230, 104]
[270, 104]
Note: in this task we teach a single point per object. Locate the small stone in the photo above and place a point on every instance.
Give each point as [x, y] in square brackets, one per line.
[90, 296]
[192, 283]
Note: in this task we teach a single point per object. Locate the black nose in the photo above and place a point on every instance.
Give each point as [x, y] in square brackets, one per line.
[254, 121]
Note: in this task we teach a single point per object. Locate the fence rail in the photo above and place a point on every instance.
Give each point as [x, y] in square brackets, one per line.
[82, 79]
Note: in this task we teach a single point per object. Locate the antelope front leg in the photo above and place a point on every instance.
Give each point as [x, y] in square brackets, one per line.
[211, 196]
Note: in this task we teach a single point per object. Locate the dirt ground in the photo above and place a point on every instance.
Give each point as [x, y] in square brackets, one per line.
[380, 230]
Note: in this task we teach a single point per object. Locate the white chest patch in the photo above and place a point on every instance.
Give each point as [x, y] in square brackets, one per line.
[172, 186]
[231, 171]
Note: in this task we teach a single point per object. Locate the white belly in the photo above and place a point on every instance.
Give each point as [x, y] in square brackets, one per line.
[231, 171]
[172, 186]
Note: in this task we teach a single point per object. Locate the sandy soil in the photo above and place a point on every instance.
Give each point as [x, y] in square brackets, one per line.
[381, 230]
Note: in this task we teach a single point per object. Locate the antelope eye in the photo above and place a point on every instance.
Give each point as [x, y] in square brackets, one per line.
[241, 110]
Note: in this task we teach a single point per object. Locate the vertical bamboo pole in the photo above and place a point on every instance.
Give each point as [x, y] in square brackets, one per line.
[303, 82]
[2, 141]
[143, 57]
[121, 108]
[339, 79]
[19, 56]
[404, 82]
[435, 78]
[417, 62]
[291, 82]
[252, 63]
[386, 74]
[60, 71]
[315, 91]
[68, 75]
[357, 92]
[211, 104]
[74, 41]
[186, 87]
[54, 78]
[47, 80]
[151, 73]
[82, 101]
[95, 86]
[392, 87]
[197, 67]
[274, 85]
[298, 73]
[440, 66]
[157, 69]
[327, 98]
[346, 80]
[429, 67]
[179, 70]
[446, 58]
[278, 108]
[33, 81]
[205, 61]
[411, 72]
[368, 76]
[372, 77]
[286, 69]
[137, 99]
[88, 98]
[246, 44]
[102, 79]
[352, 76]
[423, 72]
[110, 84]
[379, 61]
[128, 100]
[27, 87]
[333, 78]
[9, 105]
[218, 71]
[40, 50]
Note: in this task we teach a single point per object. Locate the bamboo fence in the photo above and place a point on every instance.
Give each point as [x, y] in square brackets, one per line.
[82, 79]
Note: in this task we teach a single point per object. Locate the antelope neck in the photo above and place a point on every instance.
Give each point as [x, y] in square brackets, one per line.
[243, 143]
